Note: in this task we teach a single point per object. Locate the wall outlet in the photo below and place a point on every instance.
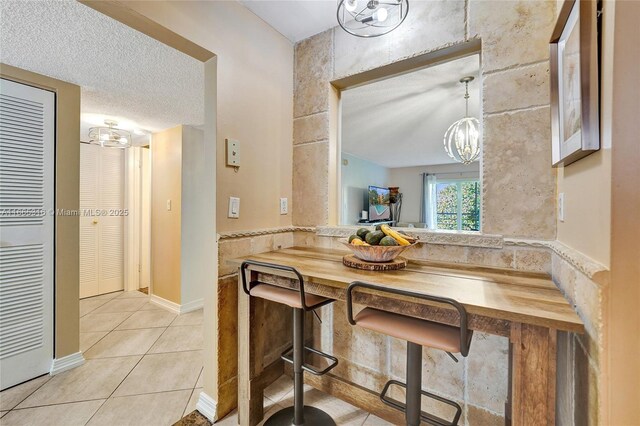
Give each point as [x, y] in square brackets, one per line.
[234, 207]
[561, 206]
[284, 206]
[233, 153]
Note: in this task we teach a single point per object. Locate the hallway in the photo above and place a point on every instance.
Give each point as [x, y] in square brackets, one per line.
[143, 366]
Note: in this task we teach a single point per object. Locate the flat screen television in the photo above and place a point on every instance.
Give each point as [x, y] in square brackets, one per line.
[379, 208]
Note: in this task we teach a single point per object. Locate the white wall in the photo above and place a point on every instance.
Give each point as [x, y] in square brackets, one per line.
[409, 180]
[356, 177]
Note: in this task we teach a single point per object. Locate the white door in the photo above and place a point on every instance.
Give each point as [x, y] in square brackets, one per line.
[26, 231]
[102, 220]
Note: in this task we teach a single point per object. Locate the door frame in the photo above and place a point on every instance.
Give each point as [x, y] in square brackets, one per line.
[66, 240]
[132, 220]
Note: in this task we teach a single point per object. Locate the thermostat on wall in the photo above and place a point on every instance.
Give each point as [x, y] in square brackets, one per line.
[233, 153]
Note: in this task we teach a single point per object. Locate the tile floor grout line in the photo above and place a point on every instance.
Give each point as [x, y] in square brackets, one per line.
[58, 403]
[127, 375]
[184, 410]
[147, 354]
[34, 391]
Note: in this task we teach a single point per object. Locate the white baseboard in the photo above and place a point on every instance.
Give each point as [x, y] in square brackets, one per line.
[192, 306]
[207, 406]
[164, 303]
[175, 307]
[66, 363]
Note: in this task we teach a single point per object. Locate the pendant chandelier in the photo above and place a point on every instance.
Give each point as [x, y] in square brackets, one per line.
[110, 136]
[371, 18]
[462, 139]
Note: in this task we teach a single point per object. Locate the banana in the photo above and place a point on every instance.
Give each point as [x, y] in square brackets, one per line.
[358, 242]
[396, 236]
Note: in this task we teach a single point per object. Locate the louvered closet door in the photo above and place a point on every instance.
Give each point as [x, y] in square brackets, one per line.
[102, 232]
[26, 231]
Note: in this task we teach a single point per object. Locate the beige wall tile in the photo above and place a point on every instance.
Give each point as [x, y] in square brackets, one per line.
[261, 243]
[564, 276]
[310, 184]
[311, 128]
[229, 249]
[283, 240]
[304, 239]
[313, 70]
[588, 299]
[518, 182]
[487, 372]
[513, 32]
[442, 253]
[533, 260]
[356, 54]
[477, 416]
[502, 258]
[531, 84]
[446, 22]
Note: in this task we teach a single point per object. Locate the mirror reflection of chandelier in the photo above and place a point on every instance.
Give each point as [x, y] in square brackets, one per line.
[462, 139]
[371, 18]
[110, 136]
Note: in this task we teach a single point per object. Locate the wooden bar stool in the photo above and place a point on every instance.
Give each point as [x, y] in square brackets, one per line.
[298, 414]
[417, 333]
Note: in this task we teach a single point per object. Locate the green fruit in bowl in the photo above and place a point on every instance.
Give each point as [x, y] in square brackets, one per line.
[362, 232]
[388, 241]
[353, 237]
[374, 237]
[378, 227]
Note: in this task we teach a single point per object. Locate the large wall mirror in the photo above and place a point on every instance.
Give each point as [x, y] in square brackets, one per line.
[394, 166]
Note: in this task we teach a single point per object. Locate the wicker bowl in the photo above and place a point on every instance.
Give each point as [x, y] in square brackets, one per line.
[376, 254]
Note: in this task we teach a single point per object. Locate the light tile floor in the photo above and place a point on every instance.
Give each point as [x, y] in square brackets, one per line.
[144, 367]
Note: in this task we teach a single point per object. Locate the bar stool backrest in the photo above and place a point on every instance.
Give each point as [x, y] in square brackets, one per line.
[273, 267]
[465, 333]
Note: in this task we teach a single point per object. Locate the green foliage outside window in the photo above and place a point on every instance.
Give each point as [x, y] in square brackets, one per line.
[458, 211]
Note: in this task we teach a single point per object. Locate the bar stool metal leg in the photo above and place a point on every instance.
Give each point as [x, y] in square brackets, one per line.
[298, 355]
[299, 414]
[414, 383]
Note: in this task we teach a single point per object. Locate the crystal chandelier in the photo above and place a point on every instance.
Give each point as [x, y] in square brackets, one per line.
[110, 136]
[462, 139]
[371, 18]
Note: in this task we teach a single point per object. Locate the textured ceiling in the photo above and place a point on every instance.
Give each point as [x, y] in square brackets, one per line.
[123, 73]
[296, 19]
[401, 121]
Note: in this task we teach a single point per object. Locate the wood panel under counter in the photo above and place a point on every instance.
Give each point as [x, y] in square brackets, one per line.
[525, 307]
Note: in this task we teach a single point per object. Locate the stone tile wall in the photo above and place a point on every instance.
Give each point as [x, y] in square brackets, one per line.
[518, 183]
[579, 370]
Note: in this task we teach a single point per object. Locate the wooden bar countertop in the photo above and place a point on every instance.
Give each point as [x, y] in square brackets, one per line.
[516, 296]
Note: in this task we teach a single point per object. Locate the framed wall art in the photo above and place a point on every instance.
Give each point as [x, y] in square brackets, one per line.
[575, 120]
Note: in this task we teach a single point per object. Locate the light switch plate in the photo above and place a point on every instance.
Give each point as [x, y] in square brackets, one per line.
[234, 207]
[233, 153]
[168, 205]
[284, 206]
[561, 206]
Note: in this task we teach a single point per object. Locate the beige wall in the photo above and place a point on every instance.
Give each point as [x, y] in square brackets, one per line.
[166, 178]
[255, 92]
[67, 269]
[586, 184]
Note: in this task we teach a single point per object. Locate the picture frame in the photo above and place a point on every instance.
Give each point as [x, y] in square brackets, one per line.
[575, 86]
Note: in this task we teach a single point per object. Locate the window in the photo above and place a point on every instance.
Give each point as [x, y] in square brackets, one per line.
[458, 205]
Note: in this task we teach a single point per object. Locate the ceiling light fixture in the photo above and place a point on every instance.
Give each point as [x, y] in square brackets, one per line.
[462, 139]
[371, 18]
[110, 136]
